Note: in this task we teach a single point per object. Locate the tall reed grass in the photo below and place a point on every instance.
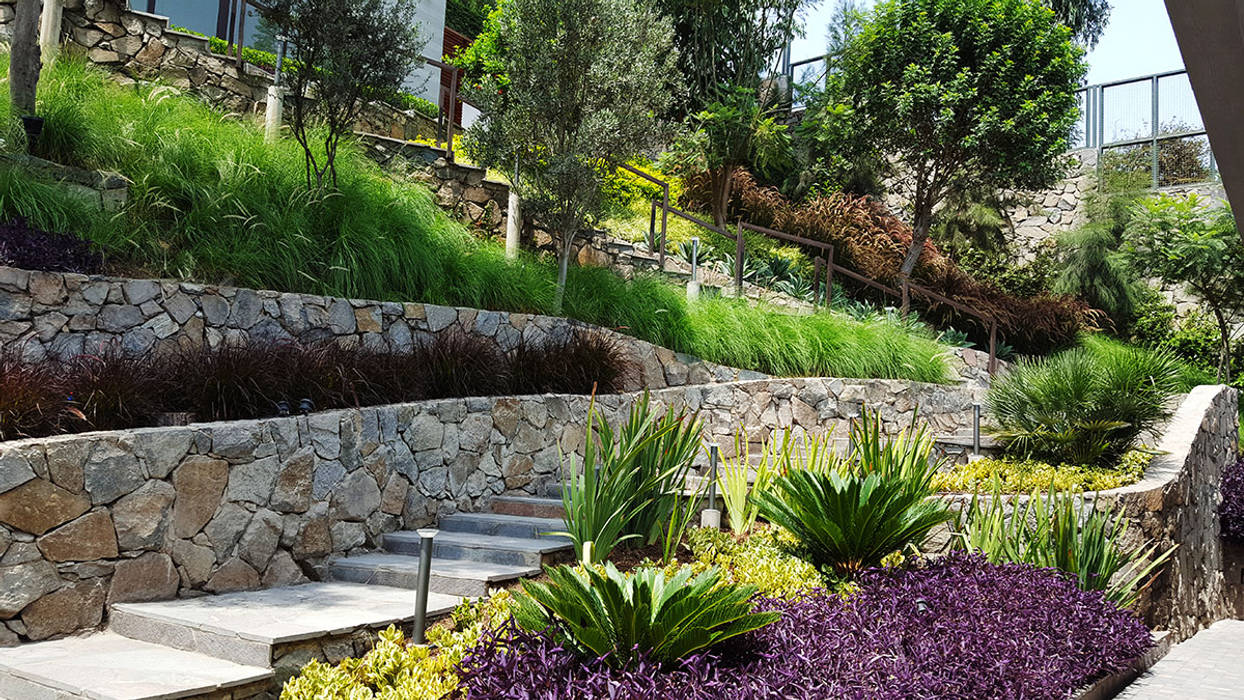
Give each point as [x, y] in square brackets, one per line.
[212, 201]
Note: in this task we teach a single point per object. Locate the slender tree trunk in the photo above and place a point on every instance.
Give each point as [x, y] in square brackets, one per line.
[1224, 356]
[24, 61]
[919, 234]
[719, 181]
[563, 264]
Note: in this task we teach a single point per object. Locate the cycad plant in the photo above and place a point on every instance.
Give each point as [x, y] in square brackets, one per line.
[605, 613]
[1085, 405]
[1061, 530]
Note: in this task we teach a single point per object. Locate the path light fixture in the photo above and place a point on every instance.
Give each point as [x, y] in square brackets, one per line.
[693, 284]
[711, 517]
[425, 576]
[976, 429]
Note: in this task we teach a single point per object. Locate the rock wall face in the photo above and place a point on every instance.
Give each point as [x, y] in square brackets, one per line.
[98, 518]
[66, 314]
[140, 46]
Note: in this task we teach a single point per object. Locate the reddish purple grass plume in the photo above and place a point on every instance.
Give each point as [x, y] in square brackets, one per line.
[957, 628]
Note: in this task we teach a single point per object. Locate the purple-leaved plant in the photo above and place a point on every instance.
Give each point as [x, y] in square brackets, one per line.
[24, 246]
[1231, 511]
[956, 628]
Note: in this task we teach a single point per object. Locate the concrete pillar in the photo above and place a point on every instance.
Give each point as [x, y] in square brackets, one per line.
[272, 113]
[49, 29]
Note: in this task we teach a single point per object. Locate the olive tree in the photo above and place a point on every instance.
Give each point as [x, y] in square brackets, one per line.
[1184, 241]
[574, 91]
[953, 94]
[343, 54]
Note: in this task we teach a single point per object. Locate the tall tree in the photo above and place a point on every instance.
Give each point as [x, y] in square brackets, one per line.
[1087, 19]
[345, 52]
[960, 93]
[572, 91]
[24, 63]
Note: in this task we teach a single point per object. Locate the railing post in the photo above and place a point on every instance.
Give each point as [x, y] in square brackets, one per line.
[816, 281]
[453, 103]
[1156, 130]
[652, 227]
[829, 278]
[738, 261]
[665, 215]
[993, 347]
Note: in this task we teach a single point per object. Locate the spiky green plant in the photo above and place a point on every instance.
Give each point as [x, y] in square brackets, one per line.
[1059, 529]
[611, 614]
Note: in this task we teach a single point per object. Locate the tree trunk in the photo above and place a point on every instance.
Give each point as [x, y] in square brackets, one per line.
[719, 181]
[919, 234]
[1224, 351]
[563, 264]
[24, 61]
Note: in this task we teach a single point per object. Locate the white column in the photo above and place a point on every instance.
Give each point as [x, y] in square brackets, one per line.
[49, 30]
[272, 113]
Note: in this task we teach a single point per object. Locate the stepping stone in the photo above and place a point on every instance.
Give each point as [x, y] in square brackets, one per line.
[529, 506]
[452, 576]
[256, 627]
[107, 666]
[495, 549]
[500, 524]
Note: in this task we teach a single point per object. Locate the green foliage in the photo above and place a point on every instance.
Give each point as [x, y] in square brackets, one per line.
[738, 480]
[763, 559]
[1093, 269]
[467, 17]
[1061, 530]
[850, 515]
[1087, 19]
[396, 669]
[583, 82]
[631, 482]
[610, 613]
[1184, 241]
[976, 92]
[622, 188]
[1085, 405]
[1022, 476]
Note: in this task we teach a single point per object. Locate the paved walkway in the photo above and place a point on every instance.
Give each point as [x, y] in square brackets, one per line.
[1209, 666]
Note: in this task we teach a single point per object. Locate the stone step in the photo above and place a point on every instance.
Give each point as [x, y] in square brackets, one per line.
[531, 506]
[452, 576]
[495, 549]
[504, 525]
[258, 628]
[108, 666]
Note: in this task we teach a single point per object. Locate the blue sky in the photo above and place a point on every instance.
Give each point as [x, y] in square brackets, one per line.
[1137, 41]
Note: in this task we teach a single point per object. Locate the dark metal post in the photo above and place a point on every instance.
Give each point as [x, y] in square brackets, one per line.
[425, 575]
[652, 227]
[453, 108]
[281, 41]
[976, 429]
[151, 7]
[738, 261]
[1156, 130]
[993, 347]
[816, 281]
[241, 31]
[829, 278]
[714, 454]
[665, 216]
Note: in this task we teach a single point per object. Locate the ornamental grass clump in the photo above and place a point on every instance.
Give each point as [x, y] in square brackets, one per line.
[958, 627]
[613, 617]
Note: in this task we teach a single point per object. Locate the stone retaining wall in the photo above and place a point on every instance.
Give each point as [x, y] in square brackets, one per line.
[154, 513]
[66, 314]
[141, 46]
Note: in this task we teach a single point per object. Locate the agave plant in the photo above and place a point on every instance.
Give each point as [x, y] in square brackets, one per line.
[605, 613]
[849, 522]
[1061, 530]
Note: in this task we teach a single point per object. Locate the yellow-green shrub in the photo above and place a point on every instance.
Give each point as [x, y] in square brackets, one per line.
[763, 560]
[396, 670]
[1022, 476]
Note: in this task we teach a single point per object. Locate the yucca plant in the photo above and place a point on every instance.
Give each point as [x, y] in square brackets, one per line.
[605, 613]
[737, 483]
[906, 456]
[848, 522]
[1064, 531]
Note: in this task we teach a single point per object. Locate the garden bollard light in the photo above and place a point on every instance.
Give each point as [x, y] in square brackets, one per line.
[425, 576]
[976, 430]
[693, 285]
[275, 105]
[711, 517]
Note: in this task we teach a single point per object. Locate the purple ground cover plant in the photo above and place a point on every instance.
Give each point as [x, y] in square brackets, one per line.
[1231, 511]
[955, 628]
[31, 249]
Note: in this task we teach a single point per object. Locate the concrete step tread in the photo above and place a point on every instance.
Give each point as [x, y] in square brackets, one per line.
[531, 500]
[108, 666]
[287, 614]
[491, 542]
[445, 568]
[450, 522]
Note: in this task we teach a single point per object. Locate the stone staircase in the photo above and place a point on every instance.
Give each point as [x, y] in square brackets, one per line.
[245, 645]
[472, 553]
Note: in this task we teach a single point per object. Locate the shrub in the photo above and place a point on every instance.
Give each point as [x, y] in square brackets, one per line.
[113, 389]
[1231, 510]
[632, 479]
[31, 249]
[1085, 405]
[739, 481]
[764, 559]
[33, 396]
[1022, 476]
[582, 362]
[1017, 631]
[614, 616]
[460, 364]
[1061, 530]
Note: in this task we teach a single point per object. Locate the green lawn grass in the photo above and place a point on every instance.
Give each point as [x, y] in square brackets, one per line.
[212, 201]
